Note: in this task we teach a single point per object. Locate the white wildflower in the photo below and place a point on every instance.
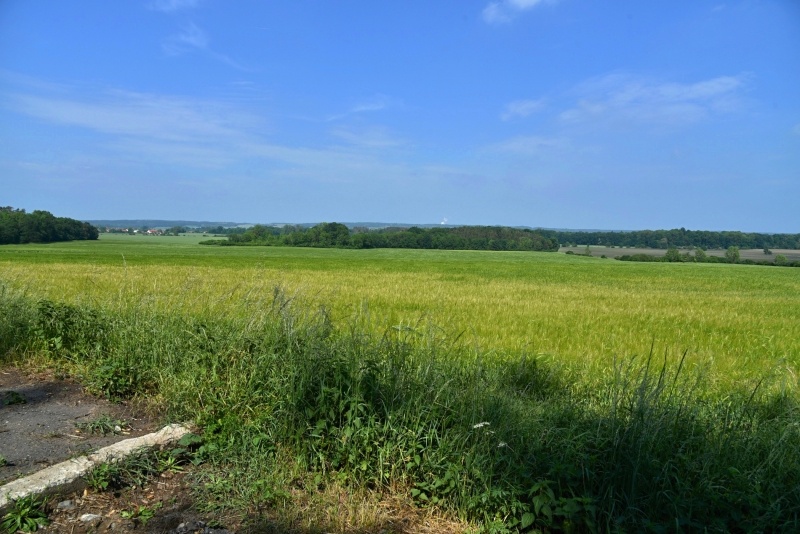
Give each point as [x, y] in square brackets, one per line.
[481, 425]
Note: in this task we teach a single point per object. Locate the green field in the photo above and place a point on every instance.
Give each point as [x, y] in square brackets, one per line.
[509, 391]
[736, 319]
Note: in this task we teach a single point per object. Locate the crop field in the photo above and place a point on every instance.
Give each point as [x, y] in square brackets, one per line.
[739, 320]
[511, 391]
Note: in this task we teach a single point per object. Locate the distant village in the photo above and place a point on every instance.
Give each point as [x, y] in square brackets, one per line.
[134, 231]
[172, 230]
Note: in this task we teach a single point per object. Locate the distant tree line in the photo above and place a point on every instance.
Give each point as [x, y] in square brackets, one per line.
[18, 227]
[732, 255]
[442, 238]
[220, 230]
[678, 238]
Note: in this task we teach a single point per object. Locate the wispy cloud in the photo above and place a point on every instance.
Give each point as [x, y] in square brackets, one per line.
[170, 6]
[370, 137]
[190, 37]
[194, 38]
[376, 102]
[532, 145]
[135, 115]
[522, 108]
[197, 133]
[625, 98]
[504, 11]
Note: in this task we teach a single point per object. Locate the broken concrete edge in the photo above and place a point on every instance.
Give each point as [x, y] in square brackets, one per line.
[67, 476]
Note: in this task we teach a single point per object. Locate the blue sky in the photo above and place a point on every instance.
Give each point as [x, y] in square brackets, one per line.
[617, 114]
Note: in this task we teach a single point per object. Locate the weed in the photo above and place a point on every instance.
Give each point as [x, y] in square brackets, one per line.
[116, 380]
[103, 477]
[103, 424]
[26, 515]
[141, 514]
[135, 469]
[169, 462]
[69, 330]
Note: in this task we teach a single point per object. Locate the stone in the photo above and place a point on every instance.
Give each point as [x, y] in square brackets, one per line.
[65, 505]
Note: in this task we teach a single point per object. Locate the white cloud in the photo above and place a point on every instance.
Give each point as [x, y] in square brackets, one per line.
[503, 11]
[522, 108]
[170, 6]
[624, 98]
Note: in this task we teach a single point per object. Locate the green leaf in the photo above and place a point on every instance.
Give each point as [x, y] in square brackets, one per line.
[527, 520]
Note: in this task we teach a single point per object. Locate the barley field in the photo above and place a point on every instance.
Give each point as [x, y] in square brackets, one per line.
[738, 320]
[504, 392]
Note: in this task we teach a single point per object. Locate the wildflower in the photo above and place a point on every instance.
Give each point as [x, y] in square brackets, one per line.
[502, 444]
[481, 425]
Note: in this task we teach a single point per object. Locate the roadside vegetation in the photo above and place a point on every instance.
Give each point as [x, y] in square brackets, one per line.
[300, 394]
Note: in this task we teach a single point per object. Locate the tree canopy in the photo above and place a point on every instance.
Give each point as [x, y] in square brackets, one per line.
[679, 237]
[18, 227]
[339, 235]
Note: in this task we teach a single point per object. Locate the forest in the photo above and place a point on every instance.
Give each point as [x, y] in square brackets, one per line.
[18, 227]
[338, 235]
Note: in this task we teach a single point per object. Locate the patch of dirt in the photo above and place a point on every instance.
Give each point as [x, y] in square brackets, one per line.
[39, 419]
[39, 416]
[164, 505]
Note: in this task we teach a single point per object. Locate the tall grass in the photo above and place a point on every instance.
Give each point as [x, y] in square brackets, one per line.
[291, 397]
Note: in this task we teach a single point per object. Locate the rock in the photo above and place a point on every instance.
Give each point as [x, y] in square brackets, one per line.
[65, 505]
[88, 518]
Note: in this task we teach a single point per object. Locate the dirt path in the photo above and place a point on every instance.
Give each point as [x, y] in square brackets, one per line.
[39, 426]
[39, 418]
